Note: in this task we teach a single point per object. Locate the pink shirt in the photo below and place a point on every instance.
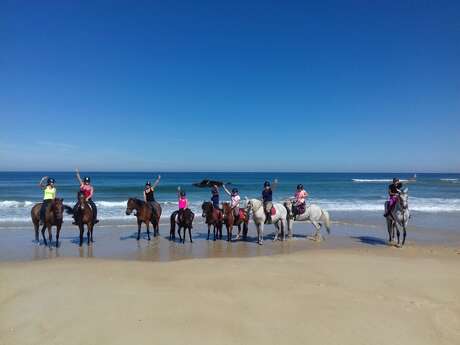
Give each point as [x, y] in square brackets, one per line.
[300, 197]
[183, 203]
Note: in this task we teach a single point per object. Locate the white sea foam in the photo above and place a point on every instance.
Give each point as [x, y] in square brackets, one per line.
[377, 180]
[453, 180]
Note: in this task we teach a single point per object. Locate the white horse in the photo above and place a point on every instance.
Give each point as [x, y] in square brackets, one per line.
[398, 217]
[258, 216]
[314, 214]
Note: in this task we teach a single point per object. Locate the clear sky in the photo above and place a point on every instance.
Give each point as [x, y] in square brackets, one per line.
[230, 85]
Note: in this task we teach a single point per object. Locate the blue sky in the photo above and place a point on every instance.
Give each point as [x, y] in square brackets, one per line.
[238, 86]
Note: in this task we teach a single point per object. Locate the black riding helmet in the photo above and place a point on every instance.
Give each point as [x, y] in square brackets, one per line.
[395, 179]
[235, 191]
[299, 186]
[87, 179]
[148, 183]
[182, 193]
[50, 180]
[266, 184]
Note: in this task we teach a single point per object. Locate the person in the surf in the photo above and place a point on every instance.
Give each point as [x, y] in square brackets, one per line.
[87, 190]
[234, 201]
[300, 197]
[215, 197]
[149, 190]
[49, 194]
[267, 198]
[394, 190]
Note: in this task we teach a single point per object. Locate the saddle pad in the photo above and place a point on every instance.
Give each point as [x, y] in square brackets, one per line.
[273, 211]
[241, 213]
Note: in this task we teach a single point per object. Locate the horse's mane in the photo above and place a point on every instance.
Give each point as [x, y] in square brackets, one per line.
[137, 201]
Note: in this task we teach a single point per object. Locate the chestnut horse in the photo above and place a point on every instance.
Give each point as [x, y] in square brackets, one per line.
[184, 220]
[83, 214]
[145, 214]
[230, 221]
[53, 217]
[213, 217]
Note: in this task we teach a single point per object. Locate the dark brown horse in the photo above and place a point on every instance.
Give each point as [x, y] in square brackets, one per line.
[230, 221]
[145, 214]
[83, 214]
[53, 217]
[184, 220]
[213, 217]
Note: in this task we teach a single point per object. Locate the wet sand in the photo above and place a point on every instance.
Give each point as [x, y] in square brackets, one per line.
[120, 242]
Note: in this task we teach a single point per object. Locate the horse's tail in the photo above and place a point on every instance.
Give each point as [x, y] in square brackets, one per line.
[326, 220]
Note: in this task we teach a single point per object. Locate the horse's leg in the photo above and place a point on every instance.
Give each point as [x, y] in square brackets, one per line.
[183, 238]
[397, 233]
[215, 231]
[290, 222]
[317, 237]
[178, 232]
[88, 233]
[148, 231]
[389, 229]
[209, 231]
[404, 235]
[139, 223]
[43, 235]
[37, 232]
[91, 232]
[238, 236]
[189, 234]
[80, 226]
[261, 234]
[229, 232]
[50, 234]
[58, 231]
[277, 230]
[245, 231]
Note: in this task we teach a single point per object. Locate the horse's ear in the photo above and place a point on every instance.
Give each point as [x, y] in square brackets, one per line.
[62, 199]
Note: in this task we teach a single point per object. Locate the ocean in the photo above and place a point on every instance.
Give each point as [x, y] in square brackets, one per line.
[344, 194]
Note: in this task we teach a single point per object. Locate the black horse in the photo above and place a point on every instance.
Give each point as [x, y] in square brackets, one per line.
[184, 220]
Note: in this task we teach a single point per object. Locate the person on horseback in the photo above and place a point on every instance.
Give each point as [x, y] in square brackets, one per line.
[394, 190]
[300, 197]
[49, 194]
[149, 190]
[234, 201]
[267, 198]
[215, 196]
[87, 190]
[182, 200]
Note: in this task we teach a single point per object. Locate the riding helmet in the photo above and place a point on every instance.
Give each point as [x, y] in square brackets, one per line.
[87, 179]
[235, 191]
[299, 186]
[266, 184]
[395, 179]
[50, 180]
[148, 183]
[182, 193]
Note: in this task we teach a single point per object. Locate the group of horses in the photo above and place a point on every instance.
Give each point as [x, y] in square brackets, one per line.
[282, 217]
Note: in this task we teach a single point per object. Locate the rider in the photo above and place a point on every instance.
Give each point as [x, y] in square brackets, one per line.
[182, 200]
[215, 196]
[299, 199]
[235, 200]
[267, 198]
[49, 194]
[87, 190]
[149, 190]
[394, 190]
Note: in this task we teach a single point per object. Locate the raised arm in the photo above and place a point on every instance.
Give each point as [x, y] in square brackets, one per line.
[274, 184]
[178, 192]
[78, 176]
[41, 184]
[226, 190]
[156, 182]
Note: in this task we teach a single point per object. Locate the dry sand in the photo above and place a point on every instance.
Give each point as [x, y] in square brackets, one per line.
[344, 296]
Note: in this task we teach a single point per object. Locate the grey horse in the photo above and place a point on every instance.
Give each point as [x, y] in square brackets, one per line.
[398, 218]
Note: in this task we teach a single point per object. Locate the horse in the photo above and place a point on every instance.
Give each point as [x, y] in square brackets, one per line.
[312, 213]
[258, 216]
[398, 217]
[230, 221]
[145, 214]
[53, 217]
[83, 214]
[184, 220]
[213, 217]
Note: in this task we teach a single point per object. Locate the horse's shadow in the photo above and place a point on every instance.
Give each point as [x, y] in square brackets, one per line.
[370, 240]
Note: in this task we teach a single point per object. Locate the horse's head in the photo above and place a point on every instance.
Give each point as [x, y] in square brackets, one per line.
[206, 207]
[226, 207]
[57, 207]
[130, 206]
[404, 198]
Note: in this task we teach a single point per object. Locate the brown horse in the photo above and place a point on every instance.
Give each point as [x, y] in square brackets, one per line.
[83, 214]
[53, 217]
[145, 214]
[230, 221]
[213, 217]
[184, 220]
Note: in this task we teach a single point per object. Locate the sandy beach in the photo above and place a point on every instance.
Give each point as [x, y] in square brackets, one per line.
[376, 295]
